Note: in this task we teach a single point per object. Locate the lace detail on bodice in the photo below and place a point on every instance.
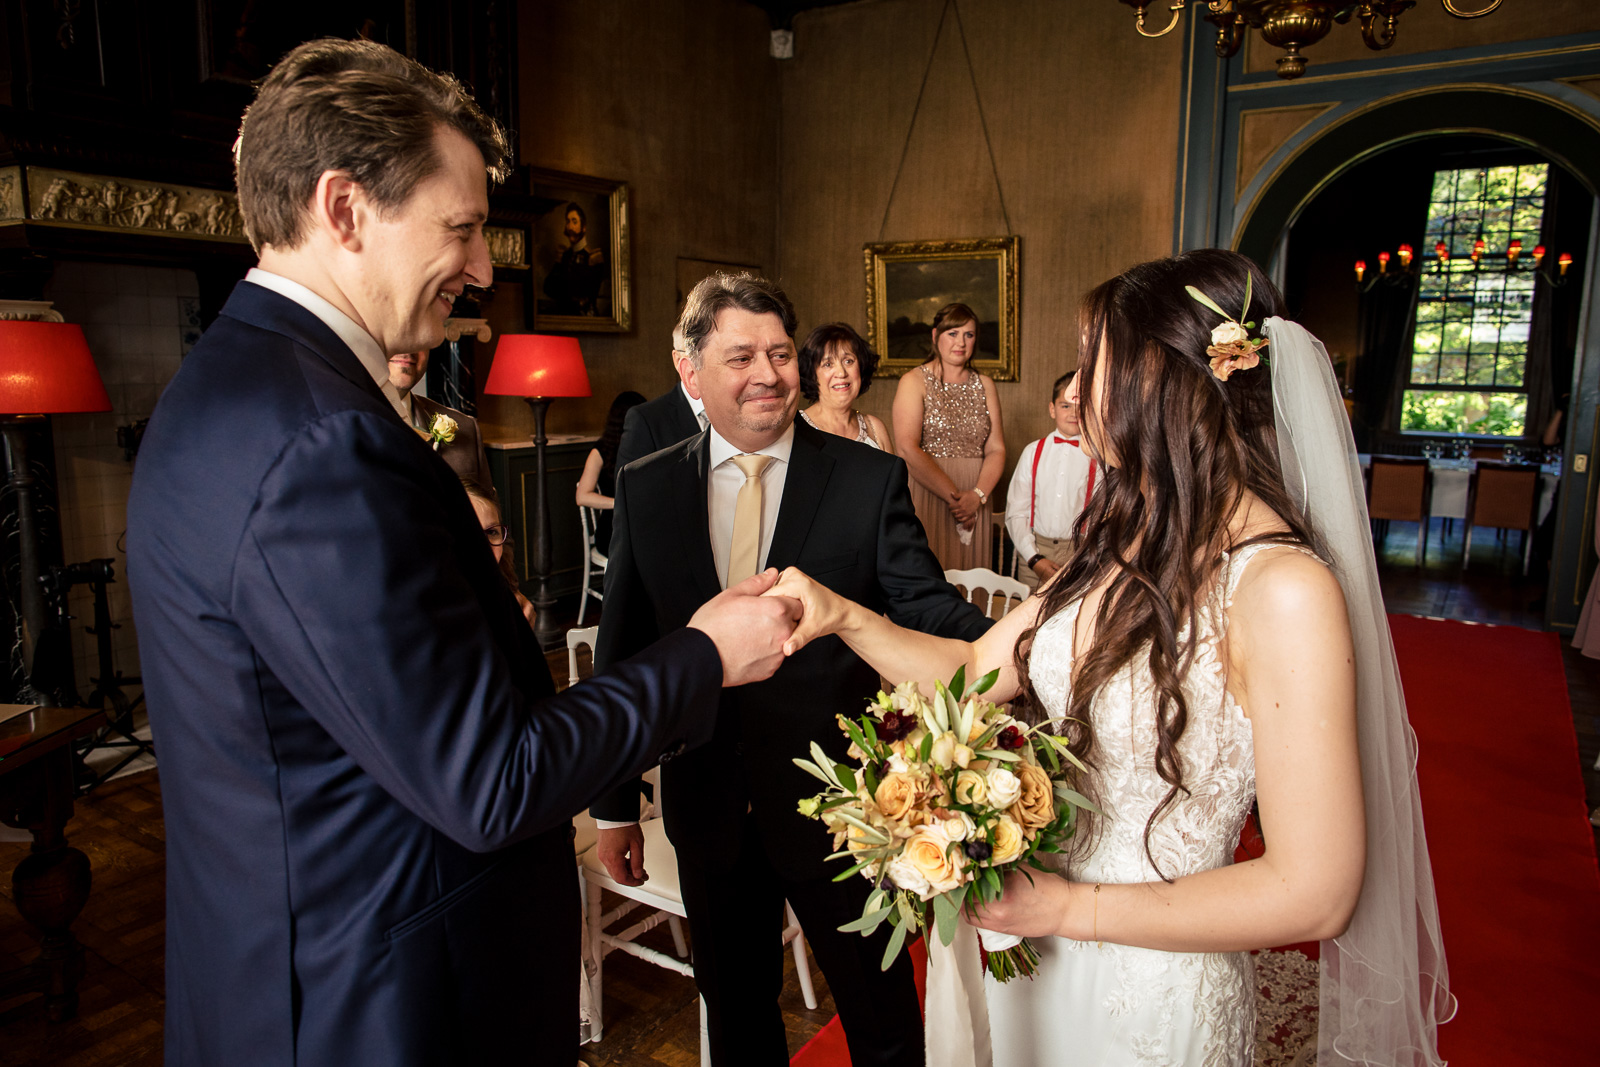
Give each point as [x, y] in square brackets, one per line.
[1197, 832]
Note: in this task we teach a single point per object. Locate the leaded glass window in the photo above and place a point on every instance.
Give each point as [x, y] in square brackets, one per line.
[1469, 354]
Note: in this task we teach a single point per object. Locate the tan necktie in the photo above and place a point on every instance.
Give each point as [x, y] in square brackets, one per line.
[745, 552]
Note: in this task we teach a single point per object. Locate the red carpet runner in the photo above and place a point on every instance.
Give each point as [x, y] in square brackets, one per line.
[1508, 830]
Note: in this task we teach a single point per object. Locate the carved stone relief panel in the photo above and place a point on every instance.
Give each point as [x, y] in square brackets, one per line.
[64, 198]
[507, 247]
[11, 194]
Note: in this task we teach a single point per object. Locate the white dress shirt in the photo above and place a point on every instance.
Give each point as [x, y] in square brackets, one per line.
[367, 350]
[696, 407]
[722, 495]
[1050, 503]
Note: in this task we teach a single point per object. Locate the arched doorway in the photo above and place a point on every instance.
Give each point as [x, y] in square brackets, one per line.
[1539, 123]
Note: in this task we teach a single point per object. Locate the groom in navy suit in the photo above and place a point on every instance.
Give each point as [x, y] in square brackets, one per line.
[367, 777]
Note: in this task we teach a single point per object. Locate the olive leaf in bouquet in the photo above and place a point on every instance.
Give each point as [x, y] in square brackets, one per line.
[949, 794]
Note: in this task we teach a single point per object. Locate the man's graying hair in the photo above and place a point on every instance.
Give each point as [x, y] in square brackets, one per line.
[745, 291]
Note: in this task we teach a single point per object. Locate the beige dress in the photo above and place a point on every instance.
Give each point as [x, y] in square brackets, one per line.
[955, 426]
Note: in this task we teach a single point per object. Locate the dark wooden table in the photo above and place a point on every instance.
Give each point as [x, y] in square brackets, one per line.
[51, 884]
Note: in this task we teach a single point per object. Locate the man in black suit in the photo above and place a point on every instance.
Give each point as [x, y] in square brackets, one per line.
[758, 489]
[666, 420]
[367, 777]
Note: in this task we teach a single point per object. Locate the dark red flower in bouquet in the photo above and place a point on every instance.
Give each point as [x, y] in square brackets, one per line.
[1010, 739]
[896, 725]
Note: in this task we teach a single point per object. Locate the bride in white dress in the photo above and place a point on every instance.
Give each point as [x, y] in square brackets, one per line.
[1218, 640]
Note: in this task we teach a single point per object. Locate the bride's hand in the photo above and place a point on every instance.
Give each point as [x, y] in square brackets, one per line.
[823, 611]
[1036, 908]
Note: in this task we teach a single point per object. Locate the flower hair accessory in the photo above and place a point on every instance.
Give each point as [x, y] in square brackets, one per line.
[1231, 348]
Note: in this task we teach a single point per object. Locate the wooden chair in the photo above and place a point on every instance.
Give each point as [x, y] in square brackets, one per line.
[1506, 496]
[982, 580]
[1400, 487]
[594, 562]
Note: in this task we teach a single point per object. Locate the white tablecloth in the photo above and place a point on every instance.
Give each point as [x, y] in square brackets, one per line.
[1453, 477]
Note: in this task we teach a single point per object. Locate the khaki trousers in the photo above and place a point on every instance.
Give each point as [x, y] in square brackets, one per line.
[1056, 549]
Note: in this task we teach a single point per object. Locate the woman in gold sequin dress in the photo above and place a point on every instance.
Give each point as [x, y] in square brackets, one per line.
[947, 423]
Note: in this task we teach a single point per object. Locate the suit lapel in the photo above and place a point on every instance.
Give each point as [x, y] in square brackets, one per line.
[809, 469]
[689, 487]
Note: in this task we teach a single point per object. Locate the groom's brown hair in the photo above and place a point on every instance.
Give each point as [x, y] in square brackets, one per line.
[353, 106]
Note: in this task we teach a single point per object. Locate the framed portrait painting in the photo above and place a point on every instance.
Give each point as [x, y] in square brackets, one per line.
[909, 281]
[581, 276]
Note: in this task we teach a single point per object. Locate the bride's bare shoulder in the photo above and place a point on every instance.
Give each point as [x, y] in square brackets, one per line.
[1287, 586]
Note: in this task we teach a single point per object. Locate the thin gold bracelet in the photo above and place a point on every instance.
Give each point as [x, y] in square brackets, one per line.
[1094, 933]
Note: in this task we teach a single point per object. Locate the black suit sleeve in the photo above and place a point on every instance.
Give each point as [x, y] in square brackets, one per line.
[627, 625]
[909, 576]
[401, 662]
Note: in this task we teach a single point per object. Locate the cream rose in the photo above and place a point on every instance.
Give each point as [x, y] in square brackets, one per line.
[1007, 841]
[971, 788]
[928, 851]
[1227, 333]
[1035, 807]
[443, 428]
[905, 874]
[958, 825]
[896, 795]
[1004, 787]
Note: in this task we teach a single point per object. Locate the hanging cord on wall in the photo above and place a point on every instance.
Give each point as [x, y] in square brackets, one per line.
[983, 123]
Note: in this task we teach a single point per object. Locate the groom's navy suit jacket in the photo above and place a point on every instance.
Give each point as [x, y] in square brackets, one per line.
[366, 775]
[846, 520]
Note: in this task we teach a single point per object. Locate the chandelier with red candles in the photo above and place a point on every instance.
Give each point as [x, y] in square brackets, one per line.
[1515, 261]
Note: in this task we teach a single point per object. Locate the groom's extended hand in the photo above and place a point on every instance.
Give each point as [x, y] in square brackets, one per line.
[749, 629]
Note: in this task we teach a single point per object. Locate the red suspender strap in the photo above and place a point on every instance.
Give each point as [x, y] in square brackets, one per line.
[1089, 492]
[1033, 501]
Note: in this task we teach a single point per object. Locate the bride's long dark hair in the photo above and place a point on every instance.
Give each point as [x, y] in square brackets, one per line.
[1186, 448]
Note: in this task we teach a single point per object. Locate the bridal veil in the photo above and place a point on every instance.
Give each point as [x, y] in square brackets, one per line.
[1384, 981]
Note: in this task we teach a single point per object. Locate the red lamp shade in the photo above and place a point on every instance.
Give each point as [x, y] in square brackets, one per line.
[537, 364]
[46, 369]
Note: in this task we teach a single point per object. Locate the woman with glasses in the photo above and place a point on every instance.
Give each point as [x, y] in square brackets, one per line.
[499, 535]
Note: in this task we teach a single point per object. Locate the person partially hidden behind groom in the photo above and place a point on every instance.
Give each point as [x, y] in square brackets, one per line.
[367, 777]
[758, 489]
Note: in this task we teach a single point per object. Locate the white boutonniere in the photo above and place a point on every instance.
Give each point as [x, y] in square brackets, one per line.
[441, 431]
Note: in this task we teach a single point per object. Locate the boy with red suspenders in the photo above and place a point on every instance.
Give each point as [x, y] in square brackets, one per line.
[1053, 481]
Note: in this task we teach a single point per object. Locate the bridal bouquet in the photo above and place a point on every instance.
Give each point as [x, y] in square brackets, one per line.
[948, 796]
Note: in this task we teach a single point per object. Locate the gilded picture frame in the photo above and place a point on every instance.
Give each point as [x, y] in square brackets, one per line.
[579, 254]
[909, 281]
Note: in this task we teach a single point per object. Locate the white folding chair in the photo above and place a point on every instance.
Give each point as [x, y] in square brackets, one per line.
[982, 580]
[577, 636]
[594, 562]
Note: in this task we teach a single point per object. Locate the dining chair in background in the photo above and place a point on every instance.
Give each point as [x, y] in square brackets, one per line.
[1504, 496]
[1400, 487]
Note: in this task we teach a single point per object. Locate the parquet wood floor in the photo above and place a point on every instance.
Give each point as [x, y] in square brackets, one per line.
[652, 1018]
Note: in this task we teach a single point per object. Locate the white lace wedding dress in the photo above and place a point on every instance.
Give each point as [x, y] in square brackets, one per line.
[1104, 1005]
